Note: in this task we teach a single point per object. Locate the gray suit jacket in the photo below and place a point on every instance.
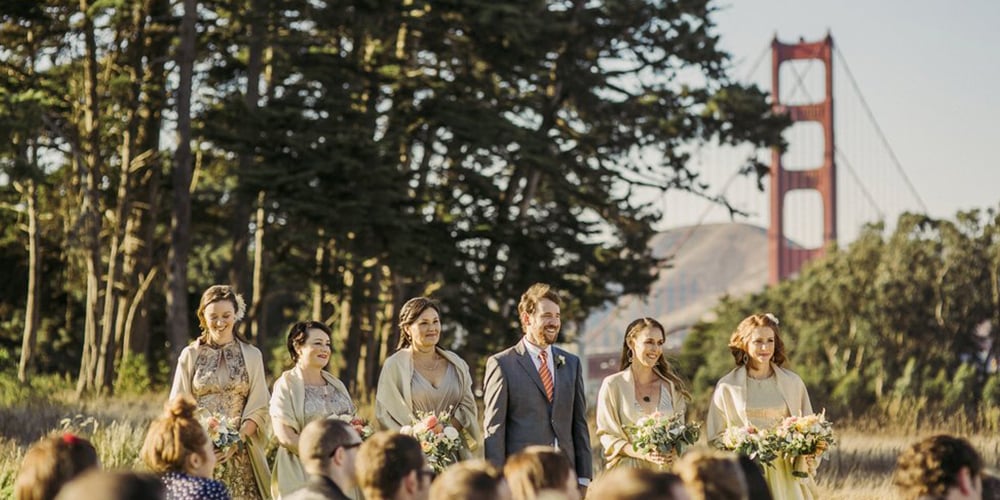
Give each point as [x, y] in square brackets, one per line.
[519, 415]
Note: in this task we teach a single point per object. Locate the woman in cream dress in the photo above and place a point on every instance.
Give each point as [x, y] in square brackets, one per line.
[225, 376]
[761, 393]
[645, 385]
[305, 393]
[422, 377]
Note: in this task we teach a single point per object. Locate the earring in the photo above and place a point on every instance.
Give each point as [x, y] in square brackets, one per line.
[629, 355]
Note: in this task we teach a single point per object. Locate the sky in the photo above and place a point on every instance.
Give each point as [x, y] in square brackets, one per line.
[930, 74]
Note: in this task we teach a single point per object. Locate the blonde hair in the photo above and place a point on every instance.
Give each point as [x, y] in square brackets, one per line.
[662, 368]
[741, 336]
[51, 463]
[536, 468]
[173, 437]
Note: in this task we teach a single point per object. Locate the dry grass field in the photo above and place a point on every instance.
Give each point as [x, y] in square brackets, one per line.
[858, 468]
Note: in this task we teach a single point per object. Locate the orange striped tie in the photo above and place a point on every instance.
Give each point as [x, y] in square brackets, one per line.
[545, 374]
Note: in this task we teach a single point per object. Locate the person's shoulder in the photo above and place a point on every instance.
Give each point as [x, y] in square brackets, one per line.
[614, 378]
[789, 374]
[395, 357]
[729, 378]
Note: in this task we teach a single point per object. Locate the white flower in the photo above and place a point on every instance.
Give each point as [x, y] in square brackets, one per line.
[450, 432]
[772, 317]
[406, 429]
[561, 360]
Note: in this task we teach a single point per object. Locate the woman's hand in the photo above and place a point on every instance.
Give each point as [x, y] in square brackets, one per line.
[664, 460]
[249, 428]
[221, 456]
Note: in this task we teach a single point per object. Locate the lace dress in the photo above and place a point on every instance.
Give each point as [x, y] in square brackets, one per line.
[765, 409]
[221, 385]
[631, 414]
[322, 401]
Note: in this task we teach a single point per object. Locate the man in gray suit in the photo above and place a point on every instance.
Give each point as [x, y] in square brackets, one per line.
[534, 391]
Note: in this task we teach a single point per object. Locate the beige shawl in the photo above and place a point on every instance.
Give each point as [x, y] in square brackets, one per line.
[394, 405]
[729, 402]
[255, 408]
[617, 394]
[288, 408]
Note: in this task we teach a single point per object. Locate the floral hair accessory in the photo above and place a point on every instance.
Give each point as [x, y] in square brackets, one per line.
[773, 318]
[241, 306]
[70, 438]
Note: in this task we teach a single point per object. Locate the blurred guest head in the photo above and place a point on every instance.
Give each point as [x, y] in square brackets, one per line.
[391, 466]
[470, 480]
[756, 484]
[177, 442]
[538, 468]
[328, 447]
[712, 475]
[638, 484]
[113, 486]
[52, 462]
[939, 467]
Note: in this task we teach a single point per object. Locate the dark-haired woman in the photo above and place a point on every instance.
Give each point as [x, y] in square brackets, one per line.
[646, 385]
[225, 376]
[422, 377]
[302, 394]
[759, 392]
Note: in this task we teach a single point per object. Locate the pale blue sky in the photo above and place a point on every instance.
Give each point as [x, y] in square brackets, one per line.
[930, 71]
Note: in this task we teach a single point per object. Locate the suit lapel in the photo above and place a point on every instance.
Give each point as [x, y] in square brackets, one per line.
[524, 359]
[565, 381]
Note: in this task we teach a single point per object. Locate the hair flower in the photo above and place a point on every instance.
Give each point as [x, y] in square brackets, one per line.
[773, 318]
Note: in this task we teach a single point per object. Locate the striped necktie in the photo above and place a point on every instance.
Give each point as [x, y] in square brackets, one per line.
[545, 374]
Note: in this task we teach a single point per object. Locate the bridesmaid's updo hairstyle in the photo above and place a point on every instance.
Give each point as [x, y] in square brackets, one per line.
[174, 436]
[217, 293]
[299, 333]
[741, 337]
[408, 315]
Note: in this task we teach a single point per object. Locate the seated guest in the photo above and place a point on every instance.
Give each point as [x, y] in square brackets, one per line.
[540, 468]
[115, 486]
[52, 462]
[328, 449]
[756, 482]
[940, 467]
[712, 475]
[178, 448]
[638, 484]
[391, 466]
[470, 480]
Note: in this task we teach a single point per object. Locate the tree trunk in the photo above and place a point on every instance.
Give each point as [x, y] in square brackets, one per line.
[31, 313]
[180, 220]
[258, 308]
[90, 210]
[317, 279]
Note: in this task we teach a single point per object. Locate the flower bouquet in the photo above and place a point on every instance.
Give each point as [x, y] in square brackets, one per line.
[360, 425]
[221, 429]
[799, 437]
[658, 433]
[750, 441]
[439, 440]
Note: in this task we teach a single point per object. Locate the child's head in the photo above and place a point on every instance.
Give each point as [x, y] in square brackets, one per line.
[52, 462]
[176, 442]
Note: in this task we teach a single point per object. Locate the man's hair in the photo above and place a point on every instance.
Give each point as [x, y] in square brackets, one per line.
[319, 440]
[626, 483]
[712, 474]
[384, 460]
[469, 480]
[929, 467]
[534, 295]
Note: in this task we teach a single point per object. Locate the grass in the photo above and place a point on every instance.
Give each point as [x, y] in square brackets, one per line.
[858, 468]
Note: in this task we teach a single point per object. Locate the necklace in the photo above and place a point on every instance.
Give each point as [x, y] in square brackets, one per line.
[642, 387]
[433, 364]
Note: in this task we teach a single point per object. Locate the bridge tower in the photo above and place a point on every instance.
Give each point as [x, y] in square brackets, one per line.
[785, 260]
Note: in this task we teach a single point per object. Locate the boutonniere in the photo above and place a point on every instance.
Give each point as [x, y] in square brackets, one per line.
[560, 360]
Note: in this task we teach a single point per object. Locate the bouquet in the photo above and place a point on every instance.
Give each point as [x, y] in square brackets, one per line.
[657, 433]
[756, 444]
[221, 429]
[798, 437]
[439, 440]
[360, 425]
